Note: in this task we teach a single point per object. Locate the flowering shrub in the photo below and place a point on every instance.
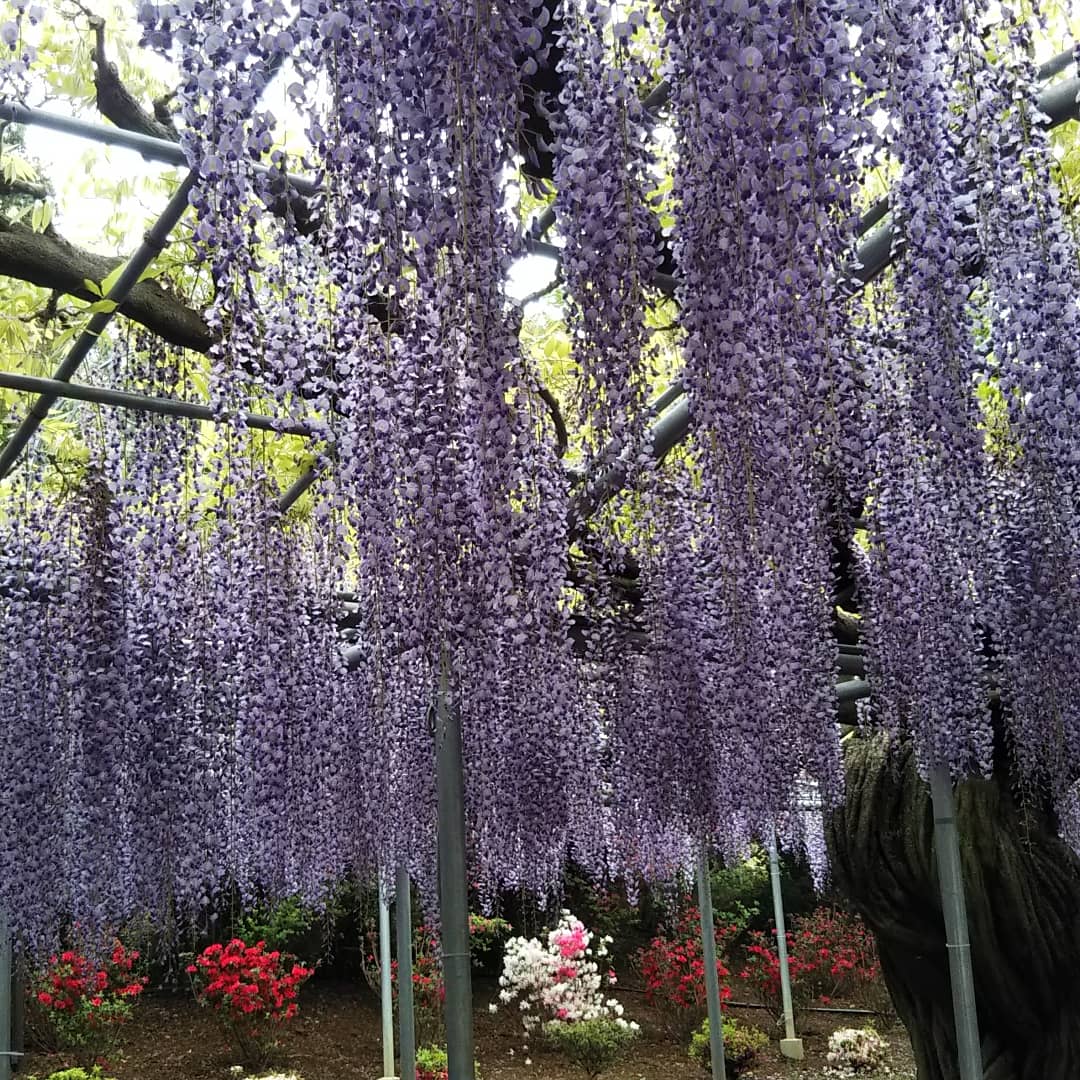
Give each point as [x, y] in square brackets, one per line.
[593, 1045]
[84, 1002]
[429, 990]
[279, 925]
[854, 1051]
[486, 934]
[673, 967]
[432, 1064]
[742, 1043]
[831, 954]
[251, 991]
[559, 979]
[75, 1074]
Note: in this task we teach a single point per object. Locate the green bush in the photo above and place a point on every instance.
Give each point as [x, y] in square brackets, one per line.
[593, 1045]
[742, 892]
[741, 1045]
[487, 935]
[75, 1074]
[280, 925]
[432, 1064]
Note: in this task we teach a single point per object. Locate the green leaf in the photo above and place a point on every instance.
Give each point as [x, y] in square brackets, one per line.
[111, 279]
[92, 287]
[41, 216]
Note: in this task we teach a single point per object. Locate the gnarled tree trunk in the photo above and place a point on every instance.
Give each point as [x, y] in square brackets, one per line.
[1023, 896]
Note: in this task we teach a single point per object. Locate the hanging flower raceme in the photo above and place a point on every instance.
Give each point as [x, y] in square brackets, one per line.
[445, 494]
[766, 126]
[928, 549]
[37, 652]
[1031, 394]
[602, 182]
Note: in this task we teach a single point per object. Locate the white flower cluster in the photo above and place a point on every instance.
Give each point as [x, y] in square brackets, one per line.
[559, 979]
[854, 1051]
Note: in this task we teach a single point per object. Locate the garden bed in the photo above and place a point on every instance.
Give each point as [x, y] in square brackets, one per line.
[336, 1037]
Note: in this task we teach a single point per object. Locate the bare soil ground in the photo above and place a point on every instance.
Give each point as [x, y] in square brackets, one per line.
[336, 1037]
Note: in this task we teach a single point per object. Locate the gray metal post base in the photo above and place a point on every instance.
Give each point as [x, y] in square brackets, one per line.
[712, 981]
[453, 885]
[954, 908]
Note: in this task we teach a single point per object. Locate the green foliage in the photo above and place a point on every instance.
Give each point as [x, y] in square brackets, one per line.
[433, 1064]
[742, 1043]
[75, 1074]
[593, 1045]
[742, 892]
[486, 937]
[280, 925]
[431, 1060]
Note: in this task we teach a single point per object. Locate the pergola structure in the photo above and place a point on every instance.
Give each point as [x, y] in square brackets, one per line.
[882, 238]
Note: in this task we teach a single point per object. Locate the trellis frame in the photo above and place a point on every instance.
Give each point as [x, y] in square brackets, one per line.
[1058, 103]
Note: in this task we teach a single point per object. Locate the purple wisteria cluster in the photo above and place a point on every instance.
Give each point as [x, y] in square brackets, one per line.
[972, 544]
[602, 180]
[928, 495]
[184, 721]
[180, 714]
[17, 53]
[767, 125]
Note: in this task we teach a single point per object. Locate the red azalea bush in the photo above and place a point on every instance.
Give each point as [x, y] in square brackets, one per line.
[252, 991]
[83, 1002]
[429, 990]
[831, 955]
[673, 968]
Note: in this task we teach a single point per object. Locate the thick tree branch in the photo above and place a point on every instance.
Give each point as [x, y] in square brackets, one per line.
[114, 101]
[48, 260]
[32, 189]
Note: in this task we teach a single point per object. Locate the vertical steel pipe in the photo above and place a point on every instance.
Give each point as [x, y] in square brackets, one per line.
[781, 937]
[5, 1000]
[386, 987]
[954, 909]
[453, 885]
[712, 980]
[406, 1021]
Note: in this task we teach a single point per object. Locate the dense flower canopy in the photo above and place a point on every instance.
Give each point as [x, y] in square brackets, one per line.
[177, 709]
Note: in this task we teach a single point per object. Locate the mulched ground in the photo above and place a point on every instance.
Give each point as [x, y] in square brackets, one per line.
[336, 1037]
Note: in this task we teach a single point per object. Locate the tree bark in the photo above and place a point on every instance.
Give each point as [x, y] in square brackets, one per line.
[48, 260]
[1023, 896]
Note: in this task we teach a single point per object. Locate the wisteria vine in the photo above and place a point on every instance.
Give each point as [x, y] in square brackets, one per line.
[182, 718]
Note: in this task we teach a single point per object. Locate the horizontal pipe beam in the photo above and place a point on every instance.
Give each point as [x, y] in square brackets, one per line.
[124, 399]
[168, 153]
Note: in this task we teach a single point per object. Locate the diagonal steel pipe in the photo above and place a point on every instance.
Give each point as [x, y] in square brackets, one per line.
[148, 250]
[1059, 103]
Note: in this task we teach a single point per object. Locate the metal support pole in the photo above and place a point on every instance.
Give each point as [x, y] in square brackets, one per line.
[148, 250]
[5, 1000]
[289, 498]
[124, 399]
[793, 1047]
[169, 153]
[712, 980]
[947, 849]
[453, 886]
[406, 1020]
[386, 987]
